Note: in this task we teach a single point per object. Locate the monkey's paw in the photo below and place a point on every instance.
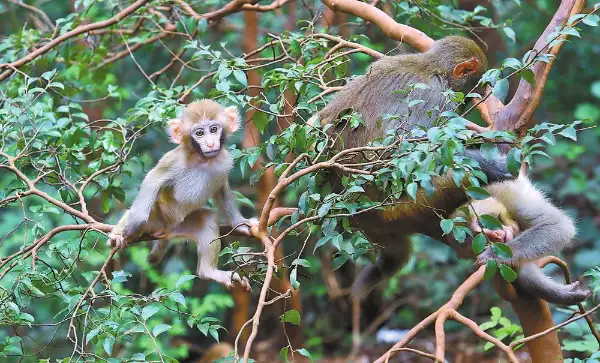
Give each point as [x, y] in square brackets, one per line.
[246, 228]
[242, 281]
[573, 294]
[488, 254]
[116, 240]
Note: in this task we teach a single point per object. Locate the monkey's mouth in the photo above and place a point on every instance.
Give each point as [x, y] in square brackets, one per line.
[210, 154]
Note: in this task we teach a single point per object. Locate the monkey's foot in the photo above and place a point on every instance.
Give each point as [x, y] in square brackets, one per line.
[246, 228]
[116, 240]
[488, 254]
[227, 278]
[573, 294]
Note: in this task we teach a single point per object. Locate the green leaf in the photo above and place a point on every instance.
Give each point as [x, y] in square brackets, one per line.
[502, 250]
[548, 138]
[447, 225]
[596, 89]
[411, 189]
[507, 273]
[500, 89]
[241, 77]
[48, 75]
[491, 267]
[322, 241]
[478, 193]
[509, 33]
[148, 311]
[120, 276]
[512, 63]
[260, 120]
[513, 161]
[183, 279]
[487, 325]
[528, 75]
[294, 278]
[569, 132]
[590, 19]
[203, 328]
[160, 328]
[177, 297]
[283, 354]
[89, 336]
[490, 222]
[324, 209]
[301, 262]
[292, 317]
[202, 26]
[214, 333]
[479, 243]
[306, 353]
[108, 344]
[356, 189]
[339, 261]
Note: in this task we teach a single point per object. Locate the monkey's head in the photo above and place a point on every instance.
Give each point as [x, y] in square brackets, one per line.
[461, 60]
[204, 126]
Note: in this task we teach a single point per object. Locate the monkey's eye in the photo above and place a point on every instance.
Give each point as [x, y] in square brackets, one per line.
[200, 133]
[213, 129]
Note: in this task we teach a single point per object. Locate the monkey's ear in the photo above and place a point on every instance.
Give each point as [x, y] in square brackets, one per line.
[232, 118]
[466, 68]
[175, 130]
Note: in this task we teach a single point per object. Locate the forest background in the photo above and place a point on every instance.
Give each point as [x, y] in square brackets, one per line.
[87, 87]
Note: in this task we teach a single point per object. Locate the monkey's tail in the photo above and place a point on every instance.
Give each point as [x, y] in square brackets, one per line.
[533, 281]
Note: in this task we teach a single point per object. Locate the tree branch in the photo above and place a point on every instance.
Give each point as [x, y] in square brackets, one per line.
[68, 35]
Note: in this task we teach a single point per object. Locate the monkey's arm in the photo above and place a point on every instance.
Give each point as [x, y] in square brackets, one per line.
[138, 214]
[226, 202]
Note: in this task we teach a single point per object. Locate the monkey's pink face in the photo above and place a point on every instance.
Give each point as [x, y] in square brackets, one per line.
[207, 138]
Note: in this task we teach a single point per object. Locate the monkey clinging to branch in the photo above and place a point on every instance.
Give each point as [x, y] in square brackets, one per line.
[514, 217]
[172, 198]
[382, 98]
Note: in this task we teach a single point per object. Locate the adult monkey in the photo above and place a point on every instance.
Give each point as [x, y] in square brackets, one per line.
[382, 98]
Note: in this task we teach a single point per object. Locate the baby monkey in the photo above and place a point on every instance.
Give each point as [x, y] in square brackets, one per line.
[531, 278]
[172, 199]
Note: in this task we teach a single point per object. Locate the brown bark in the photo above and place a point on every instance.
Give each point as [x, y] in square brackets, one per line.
[535, 317]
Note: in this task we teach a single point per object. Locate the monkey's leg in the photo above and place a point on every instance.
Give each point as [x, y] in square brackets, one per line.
[533, 281]
[201, 226]
[159, 249]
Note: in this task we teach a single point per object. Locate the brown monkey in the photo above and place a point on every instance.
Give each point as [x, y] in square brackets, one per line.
[382, 97]
[530, 277]
[383, 93]
[172, 198]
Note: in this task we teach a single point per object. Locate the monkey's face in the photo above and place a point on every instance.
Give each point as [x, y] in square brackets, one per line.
[207, 138]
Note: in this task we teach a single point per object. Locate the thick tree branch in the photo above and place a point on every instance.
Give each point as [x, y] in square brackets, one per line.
[517, 114]
[404, 33]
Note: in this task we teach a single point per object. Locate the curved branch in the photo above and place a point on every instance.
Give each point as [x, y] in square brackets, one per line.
[517, 114]
[404, 33]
